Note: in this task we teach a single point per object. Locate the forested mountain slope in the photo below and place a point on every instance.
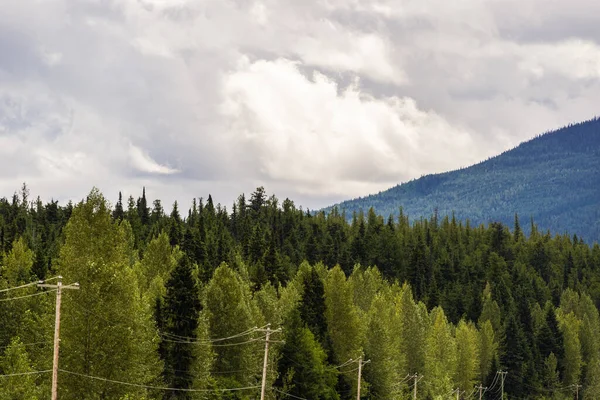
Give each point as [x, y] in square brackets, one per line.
[554, 178]
[174, 307]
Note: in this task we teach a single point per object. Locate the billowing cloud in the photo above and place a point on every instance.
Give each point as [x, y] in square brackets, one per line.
[319, 137]
[317, 100]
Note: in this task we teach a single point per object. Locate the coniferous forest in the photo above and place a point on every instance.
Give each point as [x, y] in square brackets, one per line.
[178, 304]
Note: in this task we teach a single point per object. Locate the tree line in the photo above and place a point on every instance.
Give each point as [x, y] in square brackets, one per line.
[175, 307]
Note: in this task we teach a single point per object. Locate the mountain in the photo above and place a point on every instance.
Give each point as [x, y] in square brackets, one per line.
[553, 178]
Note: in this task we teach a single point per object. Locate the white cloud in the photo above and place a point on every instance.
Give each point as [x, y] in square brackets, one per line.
[341, 50]
[144, 163]
[305, 131]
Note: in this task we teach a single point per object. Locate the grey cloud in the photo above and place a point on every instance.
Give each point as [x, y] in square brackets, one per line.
[83, 81]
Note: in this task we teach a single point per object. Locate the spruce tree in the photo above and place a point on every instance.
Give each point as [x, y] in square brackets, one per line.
[180, 314]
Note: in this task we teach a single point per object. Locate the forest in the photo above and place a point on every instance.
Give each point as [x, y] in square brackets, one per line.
[177, 304]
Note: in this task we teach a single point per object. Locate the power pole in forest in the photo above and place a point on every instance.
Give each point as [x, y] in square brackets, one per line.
[480, 387]
[59, 286]
[577, 391]
[417, 378]
[360, 365]
[268, 332]
[502, 377]
[457, 393]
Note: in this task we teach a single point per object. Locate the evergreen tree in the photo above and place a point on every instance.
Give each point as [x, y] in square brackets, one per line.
[302, 368]
[312, 307]
[180, 313]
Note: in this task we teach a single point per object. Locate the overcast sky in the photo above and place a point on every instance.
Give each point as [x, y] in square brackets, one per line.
[317, 100]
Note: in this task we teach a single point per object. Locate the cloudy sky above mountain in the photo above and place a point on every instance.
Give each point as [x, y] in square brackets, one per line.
[317, 100]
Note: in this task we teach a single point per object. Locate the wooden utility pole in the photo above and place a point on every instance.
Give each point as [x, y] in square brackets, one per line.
[417, 379]
[59, 286]
[360, 365]
[480, 387]
[268, 332]
[502, 377]
[577, 391]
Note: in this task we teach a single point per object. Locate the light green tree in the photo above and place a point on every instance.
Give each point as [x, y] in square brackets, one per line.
[413, 330]
[467, 354]
[488, 348]
[16, 361]
[440, 356]
[382, 347]
[230, 311]
[343, 323]
[107, 330]
[569, 326]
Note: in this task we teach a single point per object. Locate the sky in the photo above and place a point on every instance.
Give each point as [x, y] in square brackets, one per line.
[316, 100]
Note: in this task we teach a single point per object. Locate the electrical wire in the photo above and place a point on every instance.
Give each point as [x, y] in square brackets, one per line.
[29, 295]
[214, 345]
[27, 284]
[191, 339]
[157, 387]
[26, 373]
[494, 381]
[28, 344]
[288, 394]
[350, 361]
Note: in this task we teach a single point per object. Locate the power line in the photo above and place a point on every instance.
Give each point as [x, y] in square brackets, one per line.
[157, 387]
[26, 285]
[215, 345]
[288, 394]
[192, 339]
[28, 344]
[29, 295]
[26, 373]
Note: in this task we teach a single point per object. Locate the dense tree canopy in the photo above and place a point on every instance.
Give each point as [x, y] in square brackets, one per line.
[175, 304]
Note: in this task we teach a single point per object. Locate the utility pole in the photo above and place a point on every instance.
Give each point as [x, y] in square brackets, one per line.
[59, 286]
[480, 387]
[360, 365]
[457, 393]
[417, 378]
[577, 391]
[359, 373]
[268, 332]
[502, 377]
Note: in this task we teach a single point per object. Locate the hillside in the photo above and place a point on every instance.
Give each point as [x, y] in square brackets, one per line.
[554, 178]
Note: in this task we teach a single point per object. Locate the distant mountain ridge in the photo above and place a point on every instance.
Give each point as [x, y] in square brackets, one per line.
[553, 178]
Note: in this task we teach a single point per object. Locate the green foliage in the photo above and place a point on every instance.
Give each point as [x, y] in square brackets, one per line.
[180, 315]
[302, 367]
[106, 331]
[192, 301]
[16, 361]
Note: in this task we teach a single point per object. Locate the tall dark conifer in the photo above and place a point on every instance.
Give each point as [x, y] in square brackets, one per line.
[180, 321]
